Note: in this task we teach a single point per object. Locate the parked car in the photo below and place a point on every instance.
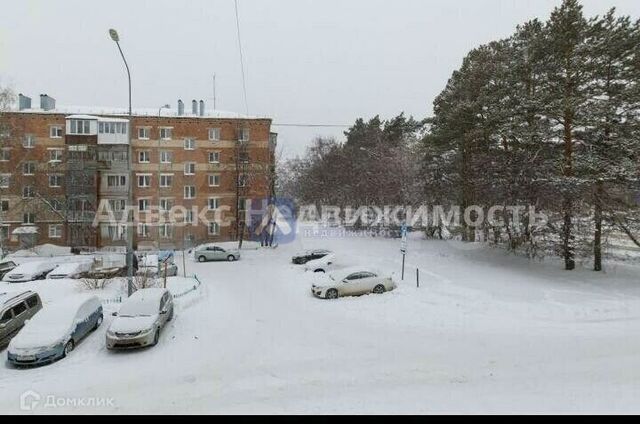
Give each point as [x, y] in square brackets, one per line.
[29, 271]
[325, 264]
[211, 252]
[152, 266]
[140, 319]
[55, 331]
[309, 255]
[72, 270]
[15, 309]
[353, 282]
[6, 267]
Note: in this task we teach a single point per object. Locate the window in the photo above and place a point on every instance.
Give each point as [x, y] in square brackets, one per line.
[242, 180]
[29, 141]
[166, 156]
[28, 192]
[242, 204]
[4, 232]
[214, 157]
[55, 180]
[144, 181]
[28, 218]
[214, 229]
[214, 180]
[4, 180]
[4, 206]
[19, 309]
[166, 231]
[243, 135]
[112, 128]
[166, 180]
[166, 204]
[55, 132]
[214, 134]
[189, 144]
[165, 133]
[143, 230]
[190, 168]
[114, 232]
[117, 205]
[189, 192]
[32, 302]
[143, 205]
[55, 231]
[29, 168]
[143, 133]
[144, 157]
[116, 180]
[55, 155]
[188, 218]
[56, 205]
[80, 126]
[243, 157]
[8, 316]
[214, 203]
[5, 155]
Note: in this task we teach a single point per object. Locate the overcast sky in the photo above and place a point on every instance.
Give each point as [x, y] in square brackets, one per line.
[306, 61]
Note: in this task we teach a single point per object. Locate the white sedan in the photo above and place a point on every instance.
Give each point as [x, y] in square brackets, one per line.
[71, 270]
[29, 271]
[352, 282]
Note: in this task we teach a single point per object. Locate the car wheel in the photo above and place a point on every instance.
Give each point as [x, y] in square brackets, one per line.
[379, 289]
[231, 258]
[202, 259]
[156, 337]
[320, 271]
[332, 294]
[98, 322]
[68, 348]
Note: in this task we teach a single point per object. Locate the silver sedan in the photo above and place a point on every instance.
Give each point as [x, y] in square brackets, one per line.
[353, 282]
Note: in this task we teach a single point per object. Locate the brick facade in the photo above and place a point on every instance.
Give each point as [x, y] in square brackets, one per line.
[213, 170]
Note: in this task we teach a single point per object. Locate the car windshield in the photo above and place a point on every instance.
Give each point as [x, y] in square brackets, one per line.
[139, 308]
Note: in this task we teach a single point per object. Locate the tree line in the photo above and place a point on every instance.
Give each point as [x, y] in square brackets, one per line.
[548, 117]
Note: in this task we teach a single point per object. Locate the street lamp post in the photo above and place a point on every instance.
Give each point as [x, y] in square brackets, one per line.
[167, 106]
[116, 38]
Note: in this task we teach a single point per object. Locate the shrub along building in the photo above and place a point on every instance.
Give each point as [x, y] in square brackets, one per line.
[60, 166]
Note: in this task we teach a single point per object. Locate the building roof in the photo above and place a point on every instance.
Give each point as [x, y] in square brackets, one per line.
[144, 112]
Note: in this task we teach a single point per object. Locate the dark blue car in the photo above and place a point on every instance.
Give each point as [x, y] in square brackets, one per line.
[55, 331]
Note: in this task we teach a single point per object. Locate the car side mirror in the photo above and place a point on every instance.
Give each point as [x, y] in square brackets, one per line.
[115, 314]
[163, 312]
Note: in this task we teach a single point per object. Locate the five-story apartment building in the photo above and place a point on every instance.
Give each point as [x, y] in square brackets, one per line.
[191, 174]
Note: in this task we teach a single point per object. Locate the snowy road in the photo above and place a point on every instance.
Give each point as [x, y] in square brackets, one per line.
[482, 334]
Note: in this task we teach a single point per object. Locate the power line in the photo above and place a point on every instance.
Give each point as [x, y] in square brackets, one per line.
[244, 83]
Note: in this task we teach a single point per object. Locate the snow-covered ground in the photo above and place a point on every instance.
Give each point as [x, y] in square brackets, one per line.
[485, 332]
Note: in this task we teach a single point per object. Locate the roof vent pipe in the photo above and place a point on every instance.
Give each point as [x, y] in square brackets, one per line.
[194, 107]
[47, 103]
[24, 102]
[180, 108]
[201, 107]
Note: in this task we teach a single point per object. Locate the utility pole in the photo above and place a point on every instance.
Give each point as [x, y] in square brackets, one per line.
[215, 107]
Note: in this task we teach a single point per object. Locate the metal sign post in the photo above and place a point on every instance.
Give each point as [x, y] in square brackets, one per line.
[403, 247]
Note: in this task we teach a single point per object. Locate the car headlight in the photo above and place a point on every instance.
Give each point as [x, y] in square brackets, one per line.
[146, 332]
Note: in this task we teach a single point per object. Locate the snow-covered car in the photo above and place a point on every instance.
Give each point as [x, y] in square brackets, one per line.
[352, 282]
[212, 252]
[325, 264]
[152, 266]
[73, 270]
[140, 319]
[55, 331]
[5, 267]
[309, 255]
[29, 271]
